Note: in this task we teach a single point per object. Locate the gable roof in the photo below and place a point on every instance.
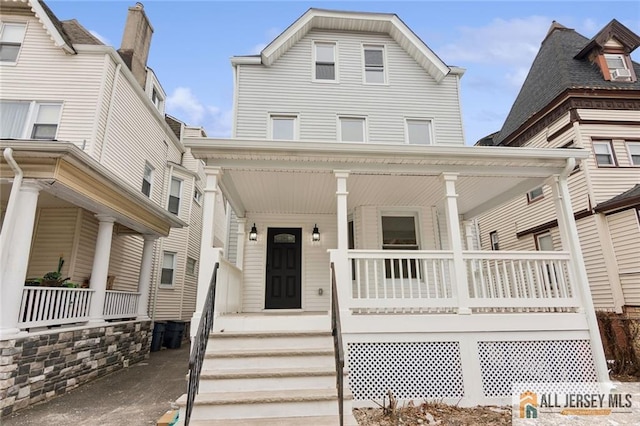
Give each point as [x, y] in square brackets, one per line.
[52, 25]
[388, 23]
[78, 34]
[555, 69]
[613, 29]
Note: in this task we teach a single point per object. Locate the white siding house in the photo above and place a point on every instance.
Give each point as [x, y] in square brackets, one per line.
[349, 177]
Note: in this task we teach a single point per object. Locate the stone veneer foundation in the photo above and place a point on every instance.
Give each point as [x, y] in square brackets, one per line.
[42, 365]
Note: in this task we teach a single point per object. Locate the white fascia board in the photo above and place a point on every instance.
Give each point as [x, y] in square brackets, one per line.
[246, 60]
[126, 72]
[42, 16]
[459, 71]
[267, 54]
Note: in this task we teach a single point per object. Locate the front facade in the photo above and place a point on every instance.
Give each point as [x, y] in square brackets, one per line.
[348, 156]
[100, 201]
[594, 107]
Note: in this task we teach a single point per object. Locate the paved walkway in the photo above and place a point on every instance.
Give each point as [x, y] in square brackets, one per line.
[137, 395]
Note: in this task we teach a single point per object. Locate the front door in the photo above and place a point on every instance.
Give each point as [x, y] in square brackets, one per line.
[284, 269]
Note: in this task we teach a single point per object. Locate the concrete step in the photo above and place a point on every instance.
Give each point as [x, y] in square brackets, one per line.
[225, 341]
[266, 404]
[267, 379]
[349, 420]
[271, 358]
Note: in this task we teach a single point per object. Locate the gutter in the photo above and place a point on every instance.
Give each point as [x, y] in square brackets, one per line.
[7, 225]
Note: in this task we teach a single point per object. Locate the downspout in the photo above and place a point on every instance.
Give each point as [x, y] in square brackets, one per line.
[7, 224]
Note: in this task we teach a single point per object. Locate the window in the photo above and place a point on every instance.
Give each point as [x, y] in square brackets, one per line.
[325, 61]
[399, 233]
[535, 195]
[197, 196]
[168, 268]
[604, 154]
[11, 37]
[374, 64]
[544, 242]
[283, 127]
[617, 67]
[634, 153]
[191, 266]
[155, 98]
[174, 195]
[493, 236]
[418, 132]
[147, 178]
[352, 129]
[29, 120]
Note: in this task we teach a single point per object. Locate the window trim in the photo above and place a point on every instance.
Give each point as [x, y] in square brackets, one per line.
[179, 196]
[536, 238]
[198, 199]
[31, 118]
[609, 143]
[147, 165]
[406, 130]
[533, 199]
[195, 267]
[173, 274]
[414, 213]
[336, 74]
[628, 145]
[293, 116]
[24, 34]
[382, 48]
[495, 245]
[365, 130]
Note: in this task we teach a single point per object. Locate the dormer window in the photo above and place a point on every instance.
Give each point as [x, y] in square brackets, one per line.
[618, 69]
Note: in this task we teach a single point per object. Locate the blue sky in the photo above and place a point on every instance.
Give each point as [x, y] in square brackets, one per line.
[495, 41]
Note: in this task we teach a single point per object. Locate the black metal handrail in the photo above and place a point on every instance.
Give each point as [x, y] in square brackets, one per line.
[200, 344]
[336, 331]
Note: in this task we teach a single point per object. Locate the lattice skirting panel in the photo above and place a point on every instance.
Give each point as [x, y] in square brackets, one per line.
[503, 363]
[410, 370]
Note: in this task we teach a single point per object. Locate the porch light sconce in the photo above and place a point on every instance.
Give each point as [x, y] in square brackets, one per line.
[253, 234]
[315, 235]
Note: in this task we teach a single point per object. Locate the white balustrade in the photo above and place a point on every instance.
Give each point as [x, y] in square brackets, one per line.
[228, 288]
[46, 306]
[120, 304]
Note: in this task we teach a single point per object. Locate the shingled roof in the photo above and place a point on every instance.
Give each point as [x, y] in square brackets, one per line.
[555, 70]
[630, 198]
[77, 33]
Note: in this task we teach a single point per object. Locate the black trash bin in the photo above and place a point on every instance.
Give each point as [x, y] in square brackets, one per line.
[158, 335]
[173, 334]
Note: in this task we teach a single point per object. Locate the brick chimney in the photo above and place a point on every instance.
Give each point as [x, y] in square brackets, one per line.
[136, 41]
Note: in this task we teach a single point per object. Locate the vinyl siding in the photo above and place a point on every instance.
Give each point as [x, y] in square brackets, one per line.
[124, 263]
[45, 73]
[53, 238]
[625, 235]
[595, 263]
[287, 87]
[86, 246]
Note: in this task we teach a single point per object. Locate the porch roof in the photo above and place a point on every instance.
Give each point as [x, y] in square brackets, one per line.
[70, 174]
[297, 176]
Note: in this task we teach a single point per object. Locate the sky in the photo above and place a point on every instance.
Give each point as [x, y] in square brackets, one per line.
[495, 41]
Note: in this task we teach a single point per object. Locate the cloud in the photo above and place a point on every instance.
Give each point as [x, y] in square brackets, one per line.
[269, 35]
[100, 37]
[183, 104]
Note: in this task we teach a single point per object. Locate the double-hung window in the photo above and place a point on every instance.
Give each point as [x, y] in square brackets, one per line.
[634, 153]
[604, 154]
[168, 268]
[147, 179]
[352, 129]
[197, 196]
[418, 131]
[283, 127]
[495, 244]
[29, 120]
[175, 191]
[374, 70]
[399, 233]
[11, 37]
[324, 61]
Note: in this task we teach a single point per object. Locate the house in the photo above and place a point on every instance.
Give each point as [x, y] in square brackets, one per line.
[95, 180]
[581, 93]
[353, 194]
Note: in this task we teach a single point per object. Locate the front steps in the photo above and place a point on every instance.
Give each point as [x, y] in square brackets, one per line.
[254, 374]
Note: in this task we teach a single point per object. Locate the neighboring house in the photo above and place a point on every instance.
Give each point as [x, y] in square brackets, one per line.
[94, 173]
[585, 94]
[348, 155]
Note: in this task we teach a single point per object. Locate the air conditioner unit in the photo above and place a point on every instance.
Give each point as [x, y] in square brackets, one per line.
[620, 74]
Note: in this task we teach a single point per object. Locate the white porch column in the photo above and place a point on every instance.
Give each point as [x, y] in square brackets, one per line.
[208, 254]
[340, 261]
[100, 269]
[569, 234]
[16, 258]
[242, 223]
[341, 201]
[144, 281]
[459, 277]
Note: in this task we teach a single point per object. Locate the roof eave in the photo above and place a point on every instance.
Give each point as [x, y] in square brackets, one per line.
[51, 29]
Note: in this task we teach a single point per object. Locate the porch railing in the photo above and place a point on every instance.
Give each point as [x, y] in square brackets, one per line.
[403, 279]
[120, 304]
[336, 331]
[229, 288]
[199, 344]
[45, 306]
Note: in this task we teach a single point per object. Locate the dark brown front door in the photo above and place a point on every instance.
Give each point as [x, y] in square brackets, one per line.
[284, 269]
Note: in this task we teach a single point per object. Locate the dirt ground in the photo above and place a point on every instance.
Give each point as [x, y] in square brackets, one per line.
[433, 414]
